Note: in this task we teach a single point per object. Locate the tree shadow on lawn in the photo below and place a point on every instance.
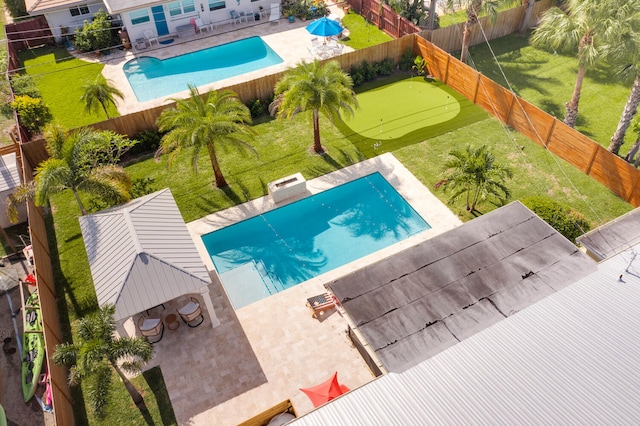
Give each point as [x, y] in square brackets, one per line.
[155, 380]
[369, 148]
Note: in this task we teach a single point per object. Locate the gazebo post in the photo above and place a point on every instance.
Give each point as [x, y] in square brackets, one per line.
[206, 295]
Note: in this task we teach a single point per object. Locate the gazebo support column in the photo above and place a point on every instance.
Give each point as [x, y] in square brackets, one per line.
[206, 295]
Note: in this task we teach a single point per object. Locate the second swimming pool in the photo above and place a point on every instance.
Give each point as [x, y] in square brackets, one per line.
[152, 78]
[286, 246]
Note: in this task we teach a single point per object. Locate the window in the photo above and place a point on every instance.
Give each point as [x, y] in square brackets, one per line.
[82, 9]
[139, 16]
[179, 7]
[216, 4]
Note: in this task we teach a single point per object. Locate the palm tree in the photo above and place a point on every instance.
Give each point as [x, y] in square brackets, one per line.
[474, 173]
[623, 48]
[99, 92]
[526, 18]
[200, 123]
[310, 87]
[97, 352]
[473, 9]
[580, 29]
[82, 161]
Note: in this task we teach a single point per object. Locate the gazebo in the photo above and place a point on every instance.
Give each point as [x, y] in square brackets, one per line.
[141, 255]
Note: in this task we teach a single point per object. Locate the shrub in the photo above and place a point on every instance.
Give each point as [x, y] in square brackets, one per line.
[24, 85]
[148, 142]
[561, 217]
[33, 112]
[368, 71]
[257, 108]
[17, 8]
[385, 67]
[94, 35]
[406, 61]
[356, 76]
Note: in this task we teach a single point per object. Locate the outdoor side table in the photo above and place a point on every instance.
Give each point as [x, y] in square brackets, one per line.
[172, 321]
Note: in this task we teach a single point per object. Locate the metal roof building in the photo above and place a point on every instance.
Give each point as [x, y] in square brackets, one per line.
[571, 358]
[141, 255]
[419, 302]
[613, 237]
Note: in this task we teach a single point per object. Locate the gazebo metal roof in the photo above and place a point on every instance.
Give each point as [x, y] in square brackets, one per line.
[141, 255]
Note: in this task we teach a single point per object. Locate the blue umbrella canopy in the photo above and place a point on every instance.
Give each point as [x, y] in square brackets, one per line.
[324, 27]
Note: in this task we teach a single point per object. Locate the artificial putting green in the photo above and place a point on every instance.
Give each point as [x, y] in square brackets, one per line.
[402, 110]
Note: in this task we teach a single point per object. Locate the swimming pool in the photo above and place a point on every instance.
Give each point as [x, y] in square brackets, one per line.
[279, 249]
[152, 78]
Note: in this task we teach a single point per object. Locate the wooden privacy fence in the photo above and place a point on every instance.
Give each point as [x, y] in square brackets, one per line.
[24, 35]
[567, 143]
[384, 17]
[62, 401]
[449, 38]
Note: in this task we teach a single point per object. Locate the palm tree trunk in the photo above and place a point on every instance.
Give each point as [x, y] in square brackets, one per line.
[221, 182]
[317, 147]
[104, 107]
[472, 19]
[571, 113]
[432, 14]
[82, 209]
[627, 114]
[135, 395]
[524, 24]
[633, 152]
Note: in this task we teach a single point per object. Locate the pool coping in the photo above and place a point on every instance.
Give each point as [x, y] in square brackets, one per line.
[432, 210]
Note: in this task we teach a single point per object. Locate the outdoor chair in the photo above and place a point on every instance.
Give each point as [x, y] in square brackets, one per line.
[151, 328]
[191, 313]
[151, 37]
[201, 25]
[248, 13]
[235, 18]
[320, 303]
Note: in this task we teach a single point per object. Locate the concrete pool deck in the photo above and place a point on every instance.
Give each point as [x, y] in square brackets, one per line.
[289, 40]
[262, 354]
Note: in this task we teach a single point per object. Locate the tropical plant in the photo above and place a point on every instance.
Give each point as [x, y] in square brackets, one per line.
[567, 221]
[99, 93]
[319, 89]
[94, 35]
[202, 122]
[474, 173]
[33, 112]
[581, 28]
[623, 49]
[473, 9]
[526, 18]
[82, 161]
[420, 65]
[96, 352]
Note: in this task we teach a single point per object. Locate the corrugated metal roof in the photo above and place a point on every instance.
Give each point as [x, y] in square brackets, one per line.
[429, 297]
[9, 173]
[613, 237]
[571, 358]
[141, 254]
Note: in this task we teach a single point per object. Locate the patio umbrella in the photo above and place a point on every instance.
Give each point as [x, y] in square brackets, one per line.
[325, 391]
[324, 27]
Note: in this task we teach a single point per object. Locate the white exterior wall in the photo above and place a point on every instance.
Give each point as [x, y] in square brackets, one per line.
[62, 18]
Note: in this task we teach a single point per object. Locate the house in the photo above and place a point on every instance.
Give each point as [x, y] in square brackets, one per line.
[136, 17]
[569, 358]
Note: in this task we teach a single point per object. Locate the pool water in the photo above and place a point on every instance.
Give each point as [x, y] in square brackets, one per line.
[152, 78]
[286, 246]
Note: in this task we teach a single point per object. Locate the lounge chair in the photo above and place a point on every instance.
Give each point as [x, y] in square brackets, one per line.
[151, 328]
[320, 303]
[201, 25]
[274, 16]
[150, 36]
[191, 313]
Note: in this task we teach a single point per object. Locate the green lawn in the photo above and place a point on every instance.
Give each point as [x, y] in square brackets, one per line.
[546, 80]
[60, 77]
[361, 33]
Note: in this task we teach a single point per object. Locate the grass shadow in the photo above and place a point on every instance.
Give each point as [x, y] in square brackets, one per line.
[155, 380]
